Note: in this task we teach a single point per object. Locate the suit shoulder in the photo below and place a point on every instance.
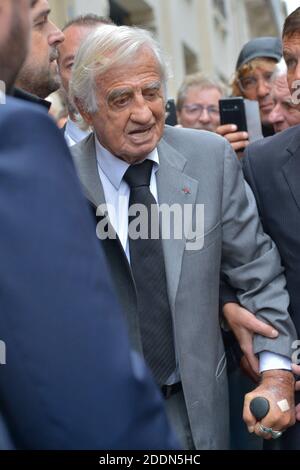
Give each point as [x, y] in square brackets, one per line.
[179, 135]
[196, 145]
[28, 122]
[25, 122]
[272, 152]
[27, 131]
[15, 106]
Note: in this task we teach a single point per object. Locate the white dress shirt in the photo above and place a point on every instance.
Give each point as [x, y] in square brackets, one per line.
[2, 97]
[111, 171]
[73, 134]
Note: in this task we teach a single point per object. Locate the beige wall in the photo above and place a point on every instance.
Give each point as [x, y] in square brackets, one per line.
[64, 10]
[193, 33]
[196, 36]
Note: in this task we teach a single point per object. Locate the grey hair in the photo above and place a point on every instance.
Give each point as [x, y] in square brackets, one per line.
[108, 46]
[198, 80]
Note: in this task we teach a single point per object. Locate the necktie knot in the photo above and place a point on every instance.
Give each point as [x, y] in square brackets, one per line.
[139, 175]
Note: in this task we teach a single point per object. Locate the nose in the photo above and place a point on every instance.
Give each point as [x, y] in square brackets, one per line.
[276, 114]
[204, 116]
[293, 77]
[296, 76]
[297, 71]
[56, 36]
[140, 111]
[263, 88]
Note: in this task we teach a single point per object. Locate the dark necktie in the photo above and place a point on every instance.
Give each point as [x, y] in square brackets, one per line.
[148, 267]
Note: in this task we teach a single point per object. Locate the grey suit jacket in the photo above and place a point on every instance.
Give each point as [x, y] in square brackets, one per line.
[198, 167]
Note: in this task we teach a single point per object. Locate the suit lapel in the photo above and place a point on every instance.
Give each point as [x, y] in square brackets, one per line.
[85, 159]
[291, 169]
[86, 162]
[174, 187]
[87, 168]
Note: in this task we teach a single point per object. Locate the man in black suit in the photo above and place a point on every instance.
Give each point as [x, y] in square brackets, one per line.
[68, 379]
[272, 168]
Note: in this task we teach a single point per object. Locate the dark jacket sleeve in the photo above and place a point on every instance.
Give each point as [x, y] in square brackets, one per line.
[227, 294]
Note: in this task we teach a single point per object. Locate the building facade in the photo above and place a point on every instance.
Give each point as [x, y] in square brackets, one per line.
[196, 35]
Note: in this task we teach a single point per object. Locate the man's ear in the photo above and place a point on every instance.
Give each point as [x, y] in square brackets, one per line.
[85, 114]
[178, 117]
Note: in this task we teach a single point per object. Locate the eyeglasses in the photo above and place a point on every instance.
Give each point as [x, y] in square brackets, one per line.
[196, 110]
[251, 81]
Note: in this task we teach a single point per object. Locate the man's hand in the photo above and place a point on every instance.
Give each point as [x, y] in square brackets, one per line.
[238, 140]
[277, 386]
[247, 370]
[296, 370]
[244, 324]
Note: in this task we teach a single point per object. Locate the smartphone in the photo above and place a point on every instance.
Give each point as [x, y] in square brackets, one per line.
[171, 116]
[232, 111]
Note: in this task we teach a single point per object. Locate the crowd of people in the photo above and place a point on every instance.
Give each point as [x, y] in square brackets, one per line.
[114, 333]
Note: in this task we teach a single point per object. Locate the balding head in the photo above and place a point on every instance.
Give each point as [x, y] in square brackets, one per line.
[75, 31]
[285, 113]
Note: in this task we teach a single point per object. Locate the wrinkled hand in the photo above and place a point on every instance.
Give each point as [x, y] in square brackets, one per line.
[244, 324]
[238, 140]
[276, 385]
[296, 370]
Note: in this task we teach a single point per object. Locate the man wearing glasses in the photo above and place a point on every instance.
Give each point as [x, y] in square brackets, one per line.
[198, 103]
[253, 81]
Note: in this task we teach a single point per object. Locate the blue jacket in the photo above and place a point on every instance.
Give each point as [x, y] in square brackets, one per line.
[69, 381]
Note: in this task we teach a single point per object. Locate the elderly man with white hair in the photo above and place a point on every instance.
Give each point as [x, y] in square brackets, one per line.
[168, 280]
[285, 113]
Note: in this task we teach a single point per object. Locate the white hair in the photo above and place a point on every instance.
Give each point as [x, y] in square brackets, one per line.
[105, 47]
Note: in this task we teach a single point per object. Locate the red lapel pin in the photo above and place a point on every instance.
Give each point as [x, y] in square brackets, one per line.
[186, 190]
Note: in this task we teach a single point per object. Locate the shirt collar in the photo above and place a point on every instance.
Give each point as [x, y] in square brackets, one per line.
[2, 97]
[73, 131]
[114, 168]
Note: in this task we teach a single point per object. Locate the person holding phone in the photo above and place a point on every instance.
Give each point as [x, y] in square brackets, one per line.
[198, 102]
[272, 168]
[253, 80]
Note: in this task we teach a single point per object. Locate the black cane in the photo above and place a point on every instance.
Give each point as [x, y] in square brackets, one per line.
[259, 407]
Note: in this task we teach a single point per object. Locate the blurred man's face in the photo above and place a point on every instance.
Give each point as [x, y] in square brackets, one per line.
[131, 115]
[67, 50]
[291, 54]
[285, 114]
[200, 109]
[257, 85]
[15, 26]
[74, 36]
[40, 72]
